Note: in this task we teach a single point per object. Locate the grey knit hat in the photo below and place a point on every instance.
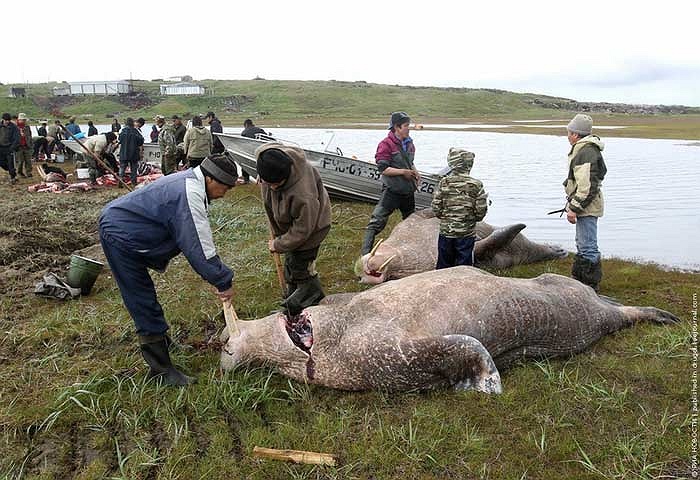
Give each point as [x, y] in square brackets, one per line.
[581, 124]
[221, 168]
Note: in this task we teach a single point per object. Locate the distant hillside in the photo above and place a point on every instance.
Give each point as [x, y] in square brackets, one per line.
[299, 100]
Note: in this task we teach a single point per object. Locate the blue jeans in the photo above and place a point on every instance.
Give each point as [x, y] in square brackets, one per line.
[455, 251]
[587, 238]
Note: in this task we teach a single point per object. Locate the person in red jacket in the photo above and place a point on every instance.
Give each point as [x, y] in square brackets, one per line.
[394, 159]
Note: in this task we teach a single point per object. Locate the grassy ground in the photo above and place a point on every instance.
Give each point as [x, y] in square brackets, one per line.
[329, 103]
[74, 402]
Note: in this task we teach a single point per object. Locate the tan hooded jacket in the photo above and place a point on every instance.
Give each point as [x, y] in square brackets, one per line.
[583, 185]
[198, 142]
[299, 210]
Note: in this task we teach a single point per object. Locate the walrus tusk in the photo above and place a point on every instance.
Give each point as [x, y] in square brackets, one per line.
[231, 318]
[385, 264]
[374, 249]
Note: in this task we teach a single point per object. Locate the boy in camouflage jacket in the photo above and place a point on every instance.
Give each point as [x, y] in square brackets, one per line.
[459, 202]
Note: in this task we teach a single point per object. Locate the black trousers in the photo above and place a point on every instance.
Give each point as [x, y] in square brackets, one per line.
[303, 285]
[388, 203]
[7, 161]
[299, 265]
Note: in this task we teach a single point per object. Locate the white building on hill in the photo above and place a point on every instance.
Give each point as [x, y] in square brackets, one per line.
[115, 87]
[182, 88]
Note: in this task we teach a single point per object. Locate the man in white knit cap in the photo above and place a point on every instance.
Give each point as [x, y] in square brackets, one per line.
[585, 197]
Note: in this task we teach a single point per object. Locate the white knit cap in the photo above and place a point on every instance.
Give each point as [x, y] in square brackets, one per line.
[581, 124]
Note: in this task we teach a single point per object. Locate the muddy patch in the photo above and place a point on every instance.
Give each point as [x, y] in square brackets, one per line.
[39, 232]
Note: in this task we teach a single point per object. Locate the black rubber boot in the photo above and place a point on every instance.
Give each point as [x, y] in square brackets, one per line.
[291, 288]
[154, 349]
[307, 294]
[587, 272]
[596, 275]
[368, 241]
[577, 268]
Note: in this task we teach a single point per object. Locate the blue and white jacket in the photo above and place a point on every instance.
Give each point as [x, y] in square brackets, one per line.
[161, 220]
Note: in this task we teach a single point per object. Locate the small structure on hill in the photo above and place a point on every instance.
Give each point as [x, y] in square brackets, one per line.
[61, 90]
[182, 88]
[179, 78]
[104, 87]
[17, 92]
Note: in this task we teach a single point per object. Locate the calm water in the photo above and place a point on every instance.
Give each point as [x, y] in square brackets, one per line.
[651, 189]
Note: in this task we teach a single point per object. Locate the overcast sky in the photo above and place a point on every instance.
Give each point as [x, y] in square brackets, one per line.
[616, 51]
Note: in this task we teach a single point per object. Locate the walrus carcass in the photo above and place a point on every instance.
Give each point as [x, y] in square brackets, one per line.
[453, 327]
[412, 248]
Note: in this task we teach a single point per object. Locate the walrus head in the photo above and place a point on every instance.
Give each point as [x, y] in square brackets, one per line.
[247, 348]
[373, 267]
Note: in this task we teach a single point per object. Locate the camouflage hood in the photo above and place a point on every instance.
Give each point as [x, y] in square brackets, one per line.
[460, 160]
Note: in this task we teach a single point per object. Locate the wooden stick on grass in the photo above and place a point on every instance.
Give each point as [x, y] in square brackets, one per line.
[296, 456]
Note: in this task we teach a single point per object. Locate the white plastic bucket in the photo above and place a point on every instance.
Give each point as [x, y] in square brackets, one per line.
[82, 173]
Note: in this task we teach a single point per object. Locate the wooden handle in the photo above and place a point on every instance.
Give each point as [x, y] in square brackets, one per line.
[231, 319]
[296, 456]
[275, 255]
[280, 272]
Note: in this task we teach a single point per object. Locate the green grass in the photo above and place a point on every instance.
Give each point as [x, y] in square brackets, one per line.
[74, 402]
[335, 103]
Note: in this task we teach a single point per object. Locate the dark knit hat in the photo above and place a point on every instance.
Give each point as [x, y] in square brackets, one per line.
[398, 118]
[221, 168]
[274, 165]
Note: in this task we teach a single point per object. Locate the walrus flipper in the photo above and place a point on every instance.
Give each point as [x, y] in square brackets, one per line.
[462, 360]
[485, 249]
[650, 314]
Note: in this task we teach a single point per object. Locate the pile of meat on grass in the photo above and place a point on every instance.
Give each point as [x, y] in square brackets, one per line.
[55, 180]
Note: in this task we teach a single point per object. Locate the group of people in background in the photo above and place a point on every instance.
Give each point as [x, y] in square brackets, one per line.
[180, 147]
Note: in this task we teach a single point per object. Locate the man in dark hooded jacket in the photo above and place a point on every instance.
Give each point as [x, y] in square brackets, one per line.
[299, 211]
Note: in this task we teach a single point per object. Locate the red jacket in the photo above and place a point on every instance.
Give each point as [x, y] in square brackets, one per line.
[391, 154]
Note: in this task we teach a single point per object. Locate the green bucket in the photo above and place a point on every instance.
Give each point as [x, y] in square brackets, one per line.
[83, 273]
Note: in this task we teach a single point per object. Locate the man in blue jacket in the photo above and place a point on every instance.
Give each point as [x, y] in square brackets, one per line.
[150, 226]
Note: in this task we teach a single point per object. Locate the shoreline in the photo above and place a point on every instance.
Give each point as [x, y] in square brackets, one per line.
[513, 129]
[685, 128]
